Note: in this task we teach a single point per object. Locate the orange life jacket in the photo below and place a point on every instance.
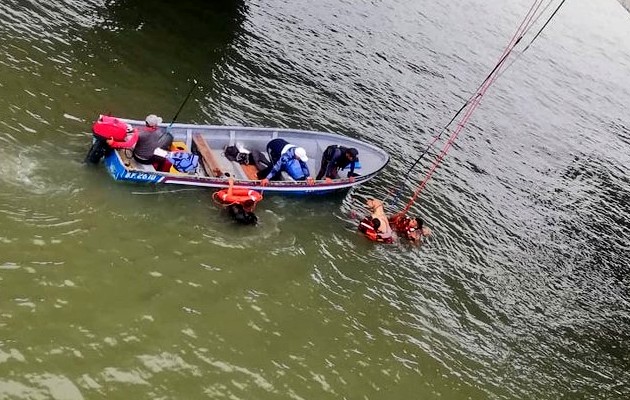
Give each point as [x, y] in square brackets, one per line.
[367, 228]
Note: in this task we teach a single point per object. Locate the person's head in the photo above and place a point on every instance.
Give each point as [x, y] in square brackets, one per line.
[248, 205]
[376, 223]
[242, 216]
[152, 121]
[352, 153]
[300, 154]
[416, 223]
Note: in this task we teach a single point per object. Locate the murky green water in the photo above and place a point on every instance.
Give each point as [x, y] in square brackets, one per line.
[121, 291]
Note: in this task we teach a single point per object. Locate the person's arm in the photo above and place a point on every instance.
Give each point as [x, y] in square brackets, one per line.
[305, 169]
[231, 183]
[276, 167]
[129, 142]
[307, 174]
[352, 164]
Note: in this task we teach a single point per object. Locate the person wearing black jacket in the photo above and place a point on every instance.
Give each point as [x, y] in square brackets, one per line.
[336, 158]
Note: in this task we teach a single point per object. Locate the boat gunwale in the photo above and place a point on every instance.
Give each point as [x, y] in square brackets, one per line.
[178, 125]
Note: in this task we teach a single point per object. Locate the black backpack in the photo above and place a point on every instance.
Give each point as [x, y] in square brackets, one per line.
[231, 153]
[254, 157]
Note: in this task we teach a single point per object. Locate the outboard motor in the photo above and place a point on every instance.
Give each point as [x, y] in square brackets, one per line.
[104, 128]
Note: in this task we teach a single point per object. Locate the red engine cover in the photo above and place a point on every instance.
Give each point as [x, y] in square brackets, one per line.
[110, 127]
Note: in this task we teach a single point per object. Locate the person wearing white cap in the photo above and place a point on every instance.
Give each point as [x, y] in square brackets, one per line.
[152, 121]
[289, 158]
[150, 139]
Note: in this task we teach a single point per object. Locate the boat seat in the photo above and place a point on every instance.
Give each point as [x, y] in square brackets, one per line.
[177, 146]
[240, 171]
[143, 167]
[236, 169]
[130, 162]
[250, 171]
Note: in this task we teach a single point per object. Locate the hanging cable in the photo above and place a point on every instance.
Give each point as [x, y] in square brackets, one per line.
[522, 29]
[532, 41]
[473, 102]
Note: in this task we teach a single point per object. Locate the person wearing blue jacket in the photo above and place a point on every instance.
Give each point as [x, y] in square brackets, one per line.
[289, 158]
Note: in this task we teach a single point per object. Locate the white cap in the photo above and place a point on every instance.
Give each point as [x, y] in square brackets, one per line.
[153, 120]
[301, 154]
[129, 128]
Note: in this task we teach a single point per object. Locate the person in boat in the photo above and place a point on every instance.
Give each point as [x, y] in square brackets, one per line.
[335, 159]
[412, 229]
[151, 138]
[376, 227]
[287, 157]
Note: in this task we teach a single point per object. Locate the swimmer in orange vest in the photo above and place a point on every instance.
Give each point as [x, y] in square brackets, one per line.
[412, 229]
[376, 227]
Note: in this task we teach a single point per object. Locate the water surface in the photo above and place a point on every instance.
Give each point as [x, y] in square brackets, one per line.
[119, 291]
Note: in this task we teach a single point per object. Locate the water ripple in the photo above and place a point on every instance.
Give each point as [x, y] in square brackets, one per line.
[522, 292]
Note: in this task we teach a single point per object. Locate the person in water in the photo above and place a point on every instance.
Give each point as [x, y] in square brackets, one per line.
[289, 158]
[376, 227]
[241, 213]
[412, 229]
[335, 159]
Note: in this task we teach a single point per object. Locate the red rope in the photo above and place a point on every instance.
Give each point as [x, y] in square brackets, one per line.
[524, 27]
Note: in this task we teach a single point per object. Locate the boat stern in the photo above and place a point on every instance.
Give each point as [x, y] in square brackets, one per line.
[120, 172]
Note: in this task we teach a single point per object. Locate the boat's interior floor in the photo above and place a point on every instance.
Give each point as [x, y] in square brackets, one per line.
[213, 164]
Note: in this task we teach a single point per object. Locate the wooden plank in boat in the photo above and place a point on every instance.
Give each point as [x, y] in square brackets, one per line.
[210, 164]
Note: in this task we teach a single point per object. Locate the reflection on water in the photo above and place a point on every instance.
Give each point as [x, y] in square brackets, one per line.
[159, 43]
[112, 290]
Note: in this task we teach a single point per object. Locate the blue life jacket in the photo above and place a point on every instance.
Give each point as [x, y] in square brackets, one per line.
[294, 169]
[183, 161]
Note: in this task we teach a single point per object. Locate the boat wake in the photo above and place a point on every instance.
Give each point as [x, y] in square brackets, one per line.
[20, 169]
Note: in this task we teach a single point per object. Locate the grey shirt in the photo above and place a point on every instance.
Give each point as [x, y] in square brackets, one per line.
[148, 141]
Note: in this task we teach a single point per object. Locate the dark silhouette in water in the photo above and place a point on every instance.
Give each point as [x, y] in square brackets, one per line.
[241, 215]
